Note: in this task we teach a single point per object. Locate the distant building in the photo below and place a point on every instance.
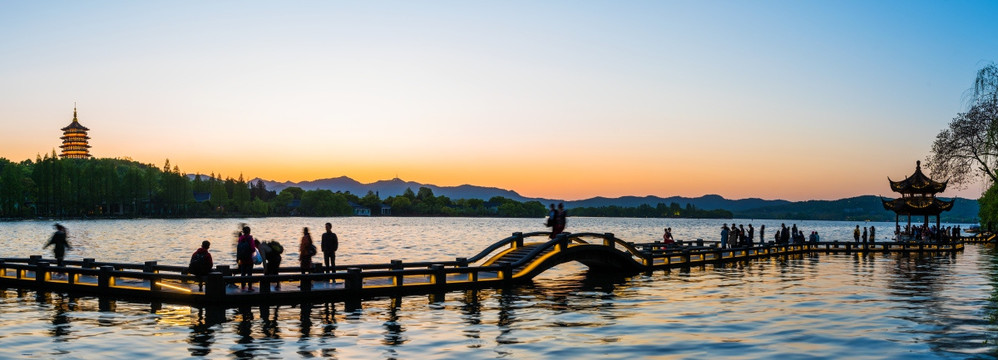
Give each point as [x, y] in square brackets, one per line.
[360, 210]
[202, 196]
[75, 142]
[385, 209]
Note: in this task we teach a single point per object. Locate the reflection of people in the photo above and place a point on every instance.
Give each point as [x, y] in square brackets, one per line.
[59, 242]
[330, 243]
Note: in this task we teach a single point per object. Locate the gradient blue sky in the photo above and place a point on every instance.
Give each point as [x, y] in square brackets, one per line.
[773, 99]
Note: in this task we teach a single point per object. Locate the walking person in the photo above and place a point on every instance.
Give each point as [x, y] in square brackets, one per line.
[330, 243]
[245, 248]
[306, 250]
[724, 236]
[59, 243]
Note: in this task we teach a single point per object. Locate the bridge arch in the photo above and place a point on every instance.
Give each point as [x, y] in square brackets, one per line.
[526, 260]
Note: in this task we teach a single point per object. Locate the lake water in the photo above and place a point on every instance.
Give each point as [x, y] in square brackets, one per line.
[813, 306]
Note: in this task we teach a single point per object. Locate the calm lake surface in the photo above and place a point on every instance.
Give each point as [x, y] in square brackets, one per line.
[813, 306]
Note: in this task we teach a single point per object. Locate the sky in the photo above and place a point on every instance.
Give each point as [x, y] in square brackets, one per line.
[790, 100]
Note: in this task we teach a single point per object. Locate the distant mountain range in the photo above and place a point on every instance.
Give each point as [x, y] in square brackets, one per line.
[857, 208]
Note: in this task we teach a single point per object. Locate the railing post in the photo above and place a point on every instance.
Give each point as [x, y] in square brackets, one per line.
[104, 279]
[507, 273]
[439, 275]
[462, 262]
[608, 240]
[33, 259]
[41, 272]
[3, 267]
[562, 242]
[399, 277]
[224, 269]
[517, 240]
[699, 242]
[396, 264]
[214, 287]
[150, 267]
[354, 282]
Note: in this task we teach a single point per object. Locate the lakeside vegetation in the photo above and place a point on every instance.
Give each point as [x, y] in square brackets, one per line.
[80, 188]
[673, 210]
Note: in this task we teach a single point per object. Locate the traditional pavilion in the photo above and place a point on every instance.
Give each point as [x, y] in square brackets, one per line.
[918, 197]
[75, 140]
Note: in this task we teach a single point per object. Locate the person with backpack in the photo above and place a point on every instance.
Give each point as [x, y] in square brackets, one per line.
[201, 263]
[273, 261]
[245, 248]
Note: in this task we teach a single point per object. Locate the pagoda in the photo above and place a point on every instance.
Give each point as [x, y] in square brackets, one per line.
[75, 140]
[918, 197]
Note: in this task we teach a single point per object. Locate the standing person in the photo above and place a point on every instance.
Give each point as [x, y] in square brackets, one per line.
[306, 250]
[60, 243]
[855, 234]
[762, 235]
[559, 221]
[264, 250]
[865, 236]
[552, 215]
[751, 234]
[330, 243]
[873, 234]
[201, 263]
[274, 260]
[245, 248]
[724, 236]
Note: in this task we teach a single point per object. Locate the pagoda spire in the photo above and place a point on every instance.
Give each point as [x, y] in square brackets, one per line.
[74, 112]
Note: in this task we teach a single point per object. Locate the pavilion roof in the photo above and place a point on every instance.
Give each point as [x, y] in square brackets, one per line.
[917, 183]
[917, 205]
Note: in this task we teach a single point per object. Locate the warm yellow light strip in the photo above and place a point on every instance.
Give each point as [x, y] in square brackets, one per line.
[174, 287]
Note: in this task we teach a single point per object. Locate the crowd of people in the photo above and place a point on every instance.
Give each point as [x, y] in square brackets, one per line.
[251, 252]
[927, 233]
[740, 236]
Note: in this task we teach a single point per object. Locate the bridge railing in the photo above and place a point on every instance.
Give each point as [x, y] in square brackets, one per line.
[611, 241]
[514, 241]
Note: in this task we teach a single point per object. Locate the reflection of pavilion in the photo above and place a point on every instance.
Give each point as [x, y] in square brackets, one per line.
[918, 197]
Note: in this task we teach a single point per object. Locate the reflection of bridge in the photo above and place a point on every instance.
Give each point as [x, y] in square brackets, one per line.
[518, 258]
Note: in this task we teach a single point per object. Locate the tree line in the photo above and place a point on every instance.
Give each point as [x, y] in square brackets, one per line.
[673, 210]
[51, 186]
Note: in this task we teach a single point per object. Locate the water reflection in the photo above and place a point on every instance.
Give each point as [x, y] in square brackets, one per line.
[813, 306]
